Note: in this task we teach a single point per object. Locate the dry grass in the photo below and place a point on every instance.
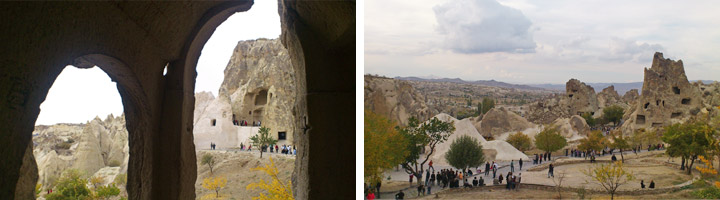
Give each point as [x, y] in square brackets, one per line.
[236, 167]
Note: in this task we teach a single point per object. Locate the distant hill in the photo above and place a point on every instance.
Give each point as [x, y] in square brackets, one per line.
[492, 83]
[621, 88]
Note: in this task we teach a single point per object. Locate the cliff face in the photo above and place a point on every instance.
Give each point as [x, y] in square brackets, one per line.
[259, 86]
[395, 99]
[667, 97]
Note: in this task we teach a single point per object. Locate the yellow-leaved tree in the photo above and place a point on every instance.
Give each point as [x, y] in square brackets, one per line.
[275, 190]
[708, 169]
[214, 184]
[610, 176]
[384, 146]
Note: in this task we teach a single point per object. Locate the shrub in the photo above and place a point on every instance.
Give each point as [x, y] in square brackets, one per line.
[105, 192]
[120, 179]
[465, 152]
[707, 193]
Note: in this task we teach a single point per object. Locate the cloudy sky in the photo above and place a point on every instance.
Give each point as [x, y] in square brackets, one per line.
[523, 41]
[78, 95]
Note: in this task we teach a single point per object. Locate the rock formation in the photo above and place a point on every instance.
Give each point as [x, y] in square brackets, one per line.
[572, 128]
[582, 98]
[91, 147]
[258, 87]
[494, 150]
[667, 97]
[499, 120]
[608, 97]
[395, 99]
[630, 96]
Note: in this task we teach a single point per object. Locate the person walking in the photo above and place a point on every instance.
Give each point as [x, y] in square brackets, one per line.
[520, 163]
[508, 180]
[495, 168]
[519, 178]
[429, 188]
[427, 177]
[487, 168]
[411, 178]
[430, 165]
[379, 183]
[550, 171]
[512, 166]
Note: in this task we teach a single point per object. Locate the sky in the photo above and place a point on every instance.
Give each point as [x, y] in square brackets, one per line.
[79, 95]
[524, 41]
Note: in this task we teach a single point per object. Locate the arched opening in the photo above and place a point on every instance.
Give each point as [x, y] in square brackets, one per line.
[240, 64]
[81, 130]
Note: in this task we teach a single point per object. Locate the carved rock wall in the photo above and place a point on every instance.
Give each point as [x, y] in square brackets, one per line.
[395, 99]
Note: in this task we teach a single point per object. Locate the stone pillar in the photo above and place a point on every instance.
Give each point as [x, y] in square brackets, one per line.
[320, 37]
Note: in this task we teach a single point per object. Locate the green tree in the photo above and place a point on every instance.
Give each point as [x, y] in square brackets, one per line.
[520, 141]
[263, 138]
[595, 141]
[589, 119]
[70, 186]
[208, 160]
[613, 114]
[609, 176]
[689, 140]
[487, 104]
[465, 152]
[550, 140]
[419, 136]
[620, 143]
[381, 142]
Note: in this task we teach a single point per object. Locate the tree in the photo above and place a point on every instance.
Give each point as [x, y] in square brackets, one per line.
[550, 140]
[689, 140]
[274, 190]
[620, 143]
[262, 139]
[465, 152]
[609, 176]
[70, 186]
[520, 141]
[381, 145]
[214, 184]
[558, 180]
[419, 136]
[487, 104]
[613, 114]
[209, 160]
[595, 141]
[108, 191]
[589, 119]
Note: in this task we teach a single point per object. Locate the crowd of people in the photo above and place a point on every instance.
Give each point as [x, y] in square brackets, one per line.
[284, 149]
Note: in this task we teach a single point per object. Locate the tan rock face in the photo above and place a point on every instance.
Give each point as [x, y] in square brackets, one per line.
[582, 98]
[667, 97]
[500, 120]
[87, 147]
[395, 99]
[608, 97]
[630, 96]
[259, 86]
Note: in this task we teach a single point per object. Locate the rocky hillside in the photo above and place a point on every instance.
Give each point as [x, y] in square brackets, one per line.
[96, 148]
[259, 86]
[668, 97]
[395, 99]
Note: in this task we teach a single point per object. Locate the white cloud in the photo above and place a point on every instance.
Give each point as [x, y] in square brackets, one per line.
[480, 26]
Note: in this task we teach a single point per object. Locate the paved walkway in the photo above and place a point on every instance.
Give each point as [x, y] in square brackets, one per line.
[504, 168]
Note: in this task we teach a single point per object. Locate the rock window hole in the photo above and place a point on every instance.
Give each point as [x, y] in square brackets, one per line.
[675, 115]
[640, 119]
[685, 101]
[646, 105]
[676, 90]
[213, 122]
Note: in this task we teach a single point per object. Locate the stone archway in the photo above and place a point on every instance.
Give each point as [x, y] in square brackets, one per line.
[41, 38]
